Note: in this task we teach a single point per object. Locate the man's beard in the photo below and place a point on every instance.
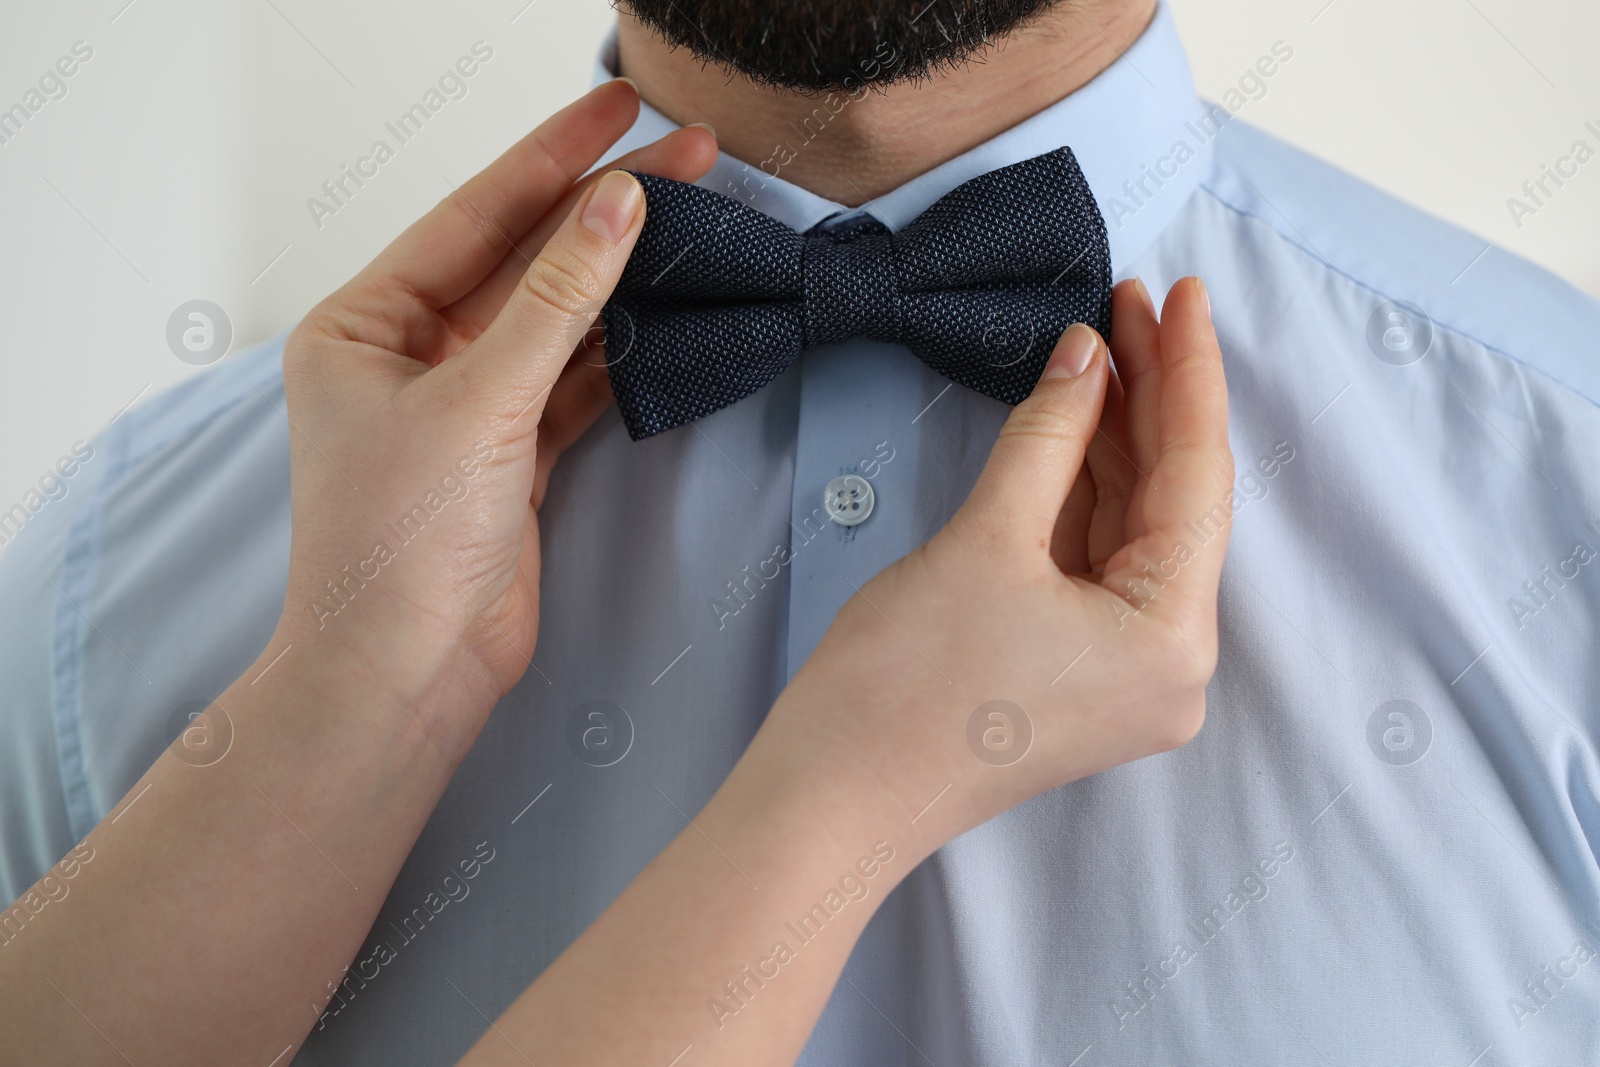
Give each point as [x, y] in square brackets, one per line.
[833, 45]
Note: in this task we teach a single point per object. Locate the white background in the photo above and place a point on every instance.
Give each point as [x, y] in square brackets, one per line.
[179, 163]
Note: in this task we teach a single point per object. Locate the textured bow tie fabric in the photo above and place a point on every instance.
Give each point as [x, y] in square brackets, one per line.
[718, 298]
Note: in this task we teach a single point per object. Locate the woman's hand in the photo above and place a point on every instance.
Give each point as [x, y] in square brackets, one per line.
[431, 396]
[886, 743]
[1065, 620]
[428, 399]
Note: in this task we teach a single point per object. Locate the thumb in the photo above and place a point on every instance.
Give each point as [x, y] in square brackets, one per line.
[1041, 446]
[514, 363]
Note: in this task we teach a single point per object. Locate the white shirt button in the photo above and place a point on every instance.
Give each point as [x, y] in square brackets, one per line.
[848, 499]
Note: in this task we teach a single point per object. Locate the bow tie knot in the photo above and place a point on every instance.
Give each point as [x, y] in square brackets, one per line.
[850, 284]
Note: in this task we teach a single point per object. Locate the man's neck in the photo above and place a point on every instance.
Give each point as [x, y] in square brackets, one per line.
[851, 148]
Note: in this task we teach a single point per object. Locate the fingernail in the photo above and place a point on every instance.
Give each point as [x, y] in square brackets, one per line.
[611, 208]
[1205, 295]
[1144, 295]
[1073, 353]
[712, 130]
[631, 83]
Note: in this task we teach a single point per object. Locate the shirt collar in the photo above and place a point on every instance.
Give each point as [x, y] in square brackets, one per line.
[1139, 132]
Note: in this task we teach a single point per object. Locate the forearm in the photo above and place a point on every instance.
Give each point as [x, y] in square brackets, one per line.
[225, 896]
[731, 941]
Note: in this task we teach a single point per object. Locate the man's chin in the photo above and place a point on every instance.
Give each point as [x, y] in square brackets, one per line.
[834, 45]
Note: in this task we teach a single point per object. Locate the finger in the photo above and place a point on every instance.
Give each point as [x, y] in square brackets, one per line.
[1136, 351]
[1040, 449]
[1188, 512]
[513, 366]
[1069, 546]
[1194, 400]
[1114, 479]
[449, 250]
[683, 155]
[1090, 530]
[581, 395]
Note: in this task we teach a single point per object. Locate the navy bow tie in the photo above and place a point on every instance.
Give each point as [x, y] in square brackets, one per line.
[718, 298]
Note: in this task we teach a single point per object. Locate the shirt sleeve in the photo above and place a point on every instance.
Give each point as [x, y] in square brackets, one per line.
[35, 543]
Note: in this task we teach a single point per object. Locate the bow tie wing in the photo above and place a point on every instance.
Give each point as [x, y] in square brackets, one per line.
[709, 278]
[996, 270]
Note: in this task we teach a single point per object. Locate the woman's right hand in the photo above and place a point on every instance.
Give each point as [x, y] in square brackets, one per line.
[427, 401]
[1064, 621]
[434, 391]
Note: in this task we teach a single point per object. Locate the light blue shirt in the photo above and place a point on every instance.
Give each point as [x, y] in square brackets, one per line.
[1380, 849]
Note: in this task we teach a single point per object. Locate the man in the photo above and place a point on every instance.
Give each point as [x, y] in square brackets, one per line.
[1378, 848]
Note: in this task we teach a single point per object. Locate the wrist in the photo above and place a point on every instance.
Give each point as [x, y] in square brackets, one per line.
[800, 842]
[911, 754]
[809, 772]
[439, 710]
